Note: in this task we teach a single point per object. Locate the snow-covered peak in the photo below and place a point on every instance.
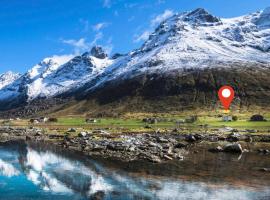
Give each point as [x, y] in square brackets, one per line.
[48, 65]
[55, 76]
[201, 15]
[8, 78]
[195, 39]
[264, 18]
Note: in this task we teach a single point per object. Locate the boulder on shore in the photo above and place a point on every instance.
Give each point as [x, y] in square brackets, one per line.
[233, 148]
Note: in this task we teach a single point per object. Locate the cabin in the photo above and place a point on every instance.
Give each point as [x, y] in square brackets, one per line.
[227, 118]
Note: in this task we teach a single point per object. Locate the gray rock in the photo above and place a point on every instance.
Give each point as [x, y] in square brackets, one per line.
[233, 137]
[264, 169]
[190, 138]
[82, 134]
[162, 140]
[233, 148]
[155, 159]
[98, 52]
[216, 149]
[180, 145]
[168, 157]
[71, 130]
[264, 151]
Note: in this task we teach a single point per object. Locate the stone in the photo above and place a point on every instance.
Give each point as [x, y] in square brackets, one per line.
[71, 130]
[180, 145]
[233, 148]
[190, 138]
[155, 159]
[264, 151]
[216, 149]
[82, 134]
[233, 137]
[168, 157]
[161, 140]
[264, 169]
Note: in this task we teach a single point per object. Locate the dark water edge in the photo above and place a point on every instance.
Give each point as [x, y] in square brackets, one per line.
[42, 171]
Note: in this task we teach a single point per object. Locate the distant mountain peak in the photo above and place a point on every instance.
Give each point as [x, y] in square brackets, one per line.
[98, 52]
[264, 18]
[202, 15]
[7, 78]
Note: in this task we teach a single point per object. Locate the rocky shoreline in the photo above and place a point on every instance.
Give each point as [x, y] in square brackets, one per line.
[152, 147]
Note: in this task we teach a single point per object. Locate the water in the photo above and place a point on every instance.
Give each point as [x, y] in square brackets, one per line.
[31, 171]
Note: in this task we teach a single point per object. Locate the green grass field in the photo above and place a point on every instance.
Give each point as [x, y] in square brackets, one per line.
[137, 125]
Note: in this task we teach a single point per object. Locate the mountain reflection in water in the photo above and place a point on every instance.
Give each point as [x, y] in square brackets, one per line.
[30, 172]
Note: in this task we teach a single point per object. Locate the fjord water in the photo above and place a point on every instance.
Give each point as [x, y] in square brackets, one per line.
[31, 171]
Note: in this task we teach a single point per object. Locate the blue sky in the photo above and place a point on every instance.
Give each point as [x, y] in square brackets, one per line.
[31, 30]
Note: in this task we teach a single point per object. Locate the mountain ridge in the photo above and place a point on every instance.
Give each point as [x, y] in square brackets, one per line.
[185, 43]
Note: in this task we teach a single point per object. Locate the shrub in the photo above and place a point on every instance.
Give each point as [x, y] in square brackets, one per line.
[257, 118]
[52, 119]
[234, 118]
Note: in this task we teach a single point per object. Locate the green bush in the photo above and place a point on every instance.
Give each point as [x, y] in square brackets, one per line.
[234, 118]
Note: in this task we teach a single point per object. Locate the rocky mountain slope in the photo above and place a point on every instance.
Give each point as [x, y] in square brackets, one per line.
[186, 59]
[8, 78]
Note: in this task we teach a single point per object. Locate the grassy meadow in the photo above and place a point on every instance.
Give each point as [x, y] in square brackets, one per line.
[133, 122]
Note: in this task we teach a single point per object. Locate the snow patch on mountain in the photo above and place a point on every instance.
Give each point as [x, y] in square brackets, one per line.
[264, 18]
[7, 78]
[65, 77]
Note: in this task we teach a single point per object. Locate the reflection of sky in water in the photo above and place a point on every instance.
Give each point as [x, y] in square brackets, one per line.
[31, 174]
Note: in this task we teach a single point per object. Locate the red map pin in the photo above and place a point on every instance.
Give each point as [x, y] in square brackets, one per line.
[226, 95]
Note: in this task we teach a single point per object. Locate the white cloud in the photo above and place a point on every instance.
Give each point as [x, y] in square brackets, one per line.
[154, 22]
[142, 37]
[160, 18]
[107, 3]
[79, 45]
[100, 26]
[98, 37]
[161, 2]
[109, 46]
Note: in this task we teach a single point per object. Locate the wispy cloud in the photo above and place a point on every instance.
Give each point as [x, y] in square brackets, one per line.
[160, 2]
[160, 18]
[108, 47]
[142, 37]
[100, 26]
[130, 5]
[98, 37]
[79, 45]
[154, 22]
[107, 3]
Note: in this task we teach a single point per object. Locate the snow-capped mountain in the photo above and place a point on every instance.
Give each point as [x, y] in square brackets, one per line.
[7, 78]
[198, 39]
[56, 75]
[188, 41]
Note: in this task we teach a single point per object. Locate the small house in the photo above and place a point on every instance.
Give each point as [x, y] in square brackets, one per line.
[227, 118]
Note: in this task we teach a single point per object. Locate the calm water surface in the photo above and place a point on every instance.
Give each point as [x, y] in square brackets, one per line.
[30, 171]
